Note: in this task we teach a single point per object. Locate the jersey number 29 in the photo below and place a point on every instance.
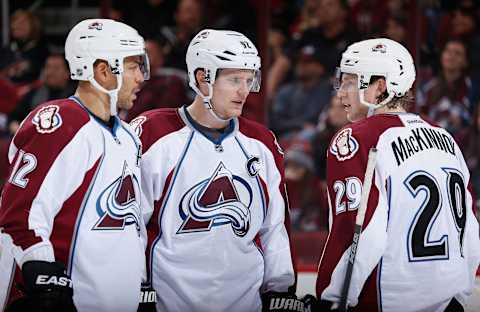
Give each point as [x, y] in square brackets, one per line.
[420, 247]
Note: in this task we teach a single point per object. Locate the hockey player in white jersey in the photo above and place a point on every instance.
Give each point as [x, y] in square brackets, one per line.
[71, 207]
[214, 188]
[419, 248]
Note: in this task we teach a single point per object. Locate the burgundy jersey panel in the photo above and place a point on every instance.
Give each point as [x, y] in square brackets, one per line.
[40, 139]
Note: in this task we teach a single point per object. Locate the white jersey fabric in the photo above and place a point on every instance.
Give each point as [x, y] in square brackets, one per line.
[216, 211]
[73, 196]
[420, 245]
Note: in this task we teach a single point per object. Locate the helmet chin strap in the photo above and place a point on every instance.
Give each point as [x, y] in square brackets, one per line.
[207, 101]
[372, 107]
[112, 94]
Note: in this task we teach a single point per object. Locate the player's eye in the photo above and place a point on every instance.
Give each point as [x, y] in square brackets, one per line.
[235, 80]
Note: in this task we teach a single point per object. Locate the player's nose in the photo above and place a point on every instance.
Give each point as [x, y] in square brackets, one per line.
[244, 89]
[139, 78]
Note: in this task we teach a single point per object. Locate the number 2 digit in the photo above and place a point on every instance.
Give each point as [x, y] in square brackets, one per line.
[420, 247]
[24, 164]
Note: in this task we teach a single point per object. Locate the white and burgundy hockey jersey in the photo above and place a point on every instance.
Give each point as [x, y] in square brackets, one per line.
[73, 196]
[217, 236]
[419, 245]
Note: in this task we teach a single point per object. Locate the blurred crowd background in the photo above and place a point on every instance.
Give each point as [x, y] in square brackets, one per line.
[300, 42]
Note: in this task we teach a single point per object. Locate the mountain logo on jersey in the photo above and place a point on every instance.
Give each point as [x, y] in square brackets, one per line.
[344, 145]
[47, 119]
[223, 199]
[117, 205]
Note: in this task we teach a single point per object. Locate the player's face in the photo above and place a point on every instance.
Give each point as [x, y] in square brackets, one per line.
[349, 97]
[132, 80]
[230, 91]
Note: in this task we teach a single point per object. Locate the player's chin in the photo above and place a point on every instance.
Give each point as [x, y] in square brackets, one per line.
[236, 112]
[127, 104]
[351, 117]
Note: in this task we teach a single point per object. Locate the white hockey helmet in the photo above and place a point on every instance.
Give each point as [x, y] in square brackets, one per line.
[103, 39]
[379, 57]
[212, 50]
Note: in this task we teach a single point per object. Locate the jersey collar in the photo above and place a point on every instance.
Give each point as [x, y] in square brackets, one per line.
[231, 129]
[115, 124]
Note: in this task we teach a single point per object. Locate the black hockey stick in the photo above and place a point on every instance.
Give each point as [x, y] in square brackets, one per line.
[367, 183]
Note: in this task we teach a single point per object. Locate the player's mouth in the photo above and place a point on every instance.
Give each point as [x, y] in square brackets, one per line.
[237, 102]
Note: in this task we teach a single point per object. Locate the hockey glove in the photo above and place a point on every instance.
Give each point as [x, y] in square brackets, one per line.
[47, 288]
[148, 299]
[286, 302]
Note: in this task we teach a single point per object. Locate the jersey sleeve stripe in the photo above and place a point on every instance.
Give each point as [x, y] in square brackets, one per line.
[64, 224]
[154, 226]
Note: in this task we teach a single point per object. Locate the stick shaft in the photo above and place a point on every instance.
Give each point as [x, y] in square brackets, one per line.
[360, 217]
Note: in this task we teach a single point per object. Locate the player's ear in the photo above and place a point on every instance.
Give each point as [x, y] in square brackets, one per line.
[201, 81]
[381, 87]
[101, 71]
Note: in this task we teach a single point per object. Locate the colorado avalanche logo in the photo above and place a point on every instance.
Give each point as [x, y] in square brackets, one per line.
[344, 145]
[95, 25]
[379, 48]
[47, 119]
[117, 205]
[136, 124]
[220, 200]
[203, 35]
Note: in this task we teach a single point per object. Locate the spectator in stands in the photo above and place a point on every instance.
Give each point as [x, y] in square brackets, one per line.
[28, 43]
[280, 64]
[8, 101]
[223, 14]
[147, 16]
[396, 28]
[446, 98]
[8, 98]
[308, 210]
[469, 138]
[56, 84]
[334, 32]
[167, 87]
[331, 120]
[188, 21]
[330, 30]
[461, 23]
[307, 18]
[282, 30]
[369, 15]
[298, 104]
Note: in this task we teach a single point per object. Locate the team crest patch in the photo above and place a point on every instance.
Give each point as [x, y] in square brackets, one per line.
[203, 35]
[136, 124]
[47, 119]
[379, 48]
[344, 145]
[95, 25]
